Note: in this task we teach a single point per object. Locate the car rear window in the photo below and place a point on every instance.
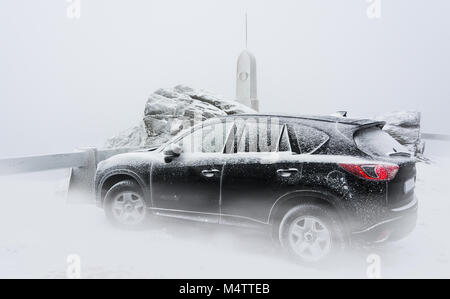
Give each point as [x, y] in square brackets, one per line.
[375, 141]
[309, 139]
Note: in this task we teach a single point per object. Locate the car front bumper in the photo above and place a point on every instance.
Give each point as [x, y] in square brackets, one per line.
[401, 223]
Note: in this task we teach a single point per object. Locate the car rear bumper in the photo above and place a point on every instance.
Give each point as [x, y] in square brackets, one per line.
[402, 222]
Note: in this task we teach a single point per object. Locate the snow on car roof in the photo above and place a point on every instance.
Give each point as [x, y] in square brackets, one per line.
[324, 118]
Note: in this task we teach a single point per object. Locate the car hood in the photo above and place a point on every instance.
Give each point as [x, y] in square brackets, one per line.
[136, 161]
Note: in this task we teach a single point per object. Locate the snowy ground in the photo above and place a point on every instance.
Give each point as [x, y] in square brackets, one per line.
[38, 230]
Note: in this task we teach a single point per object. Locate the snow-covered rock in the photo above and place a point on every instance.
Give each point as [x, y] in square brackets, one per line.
[404, 126]
[133, 137]
[405, 119]
[170, 110]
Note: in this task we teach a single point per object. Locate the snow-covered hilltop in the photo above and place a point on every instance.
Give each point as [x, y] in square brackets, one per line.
[169, 110]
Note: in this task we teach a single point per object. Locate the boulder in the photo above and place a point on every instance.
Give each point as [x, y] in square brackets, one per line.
[404, 126]
[403, 119]
[170, 110]
[133, 137]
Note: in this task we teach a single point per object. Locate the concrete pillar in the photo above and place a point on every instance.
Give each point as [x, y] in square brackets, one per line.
[246, 83]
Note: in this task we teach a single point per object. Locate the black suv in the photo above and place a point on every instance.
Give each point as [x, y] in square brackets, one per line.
[317, 184]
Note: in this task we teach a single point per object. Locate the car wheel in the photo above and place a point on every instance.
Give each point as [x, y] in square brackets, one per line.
[125, 205]
[311, 233]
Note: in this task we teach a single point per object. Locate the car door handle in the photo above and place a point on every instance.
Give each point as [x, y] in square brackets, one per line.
[287, 172]
[209, 173]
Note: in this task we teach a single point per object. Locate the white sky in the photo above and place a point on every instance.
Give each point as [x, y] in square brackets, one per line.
[67, 83]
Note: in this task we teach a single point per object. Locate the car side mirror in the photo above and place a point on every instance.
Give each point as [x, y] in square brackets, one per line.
[172, 151]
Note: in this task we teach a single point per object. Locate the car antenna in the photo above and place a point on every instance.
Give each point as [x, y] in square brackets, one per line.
[246, 31]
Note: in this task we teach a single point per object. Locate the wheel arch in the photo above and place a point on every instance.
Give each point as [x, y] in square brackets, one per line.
[290, 200]
[117, 176]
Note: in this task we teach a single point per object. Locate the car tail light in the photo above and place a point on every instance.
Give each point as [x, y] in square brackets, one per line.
[376, 172]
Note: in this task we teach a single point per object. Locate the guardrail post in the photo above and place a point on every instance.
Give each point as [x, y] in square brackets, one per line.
[81, 181]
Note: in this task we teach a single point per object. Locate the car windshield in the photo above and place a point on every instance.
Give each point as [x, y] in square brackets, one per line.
[185, 131]
[181, 133]
[377, 142]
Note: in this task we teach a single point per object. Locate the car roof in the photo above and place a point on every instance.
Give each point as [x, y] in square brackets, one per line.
[319, 118]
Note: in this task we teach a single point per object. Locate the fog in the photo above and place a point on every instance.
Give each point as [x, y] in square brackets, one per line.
[39, 231]
[67, 83]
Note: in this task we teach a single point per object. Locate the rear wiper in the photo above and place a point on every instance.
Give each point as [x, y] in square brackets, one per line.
[399, 154]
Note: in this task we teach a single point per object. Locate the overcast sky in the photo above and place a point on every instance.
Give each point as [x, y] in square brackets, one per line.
[66, 83]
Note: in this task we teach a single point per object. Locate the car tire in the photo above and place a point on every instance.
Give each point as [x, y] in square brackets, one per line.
[125, 205]
[312, 234]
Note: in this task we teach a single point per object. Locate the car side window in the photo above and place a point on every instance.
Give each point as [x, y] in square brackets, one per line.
[207, 139]
[285, 144]
[308, 139]
[262, 135]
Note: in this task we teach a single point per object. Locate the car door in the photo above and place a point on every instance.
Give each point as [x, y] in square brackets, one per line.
[188, 186]
[260, 168]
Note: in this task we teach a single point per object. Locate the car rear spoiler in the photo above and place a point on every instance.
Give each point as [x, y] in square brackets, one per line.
[356, 126]
[368, 124]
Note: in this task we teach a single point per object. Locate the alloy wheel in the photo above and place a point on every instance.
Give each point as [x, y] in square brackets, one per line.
[129, 208]
[310, 238]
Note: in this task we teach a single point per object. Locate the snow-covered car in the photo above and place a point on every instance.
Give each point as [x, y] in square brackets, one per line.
[318, 184]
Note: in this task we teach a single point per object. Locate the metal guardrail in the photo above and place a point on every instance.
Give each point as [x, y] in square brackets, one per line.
[42, 162]
[429, 136]
[82, 164]
[58, 161]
